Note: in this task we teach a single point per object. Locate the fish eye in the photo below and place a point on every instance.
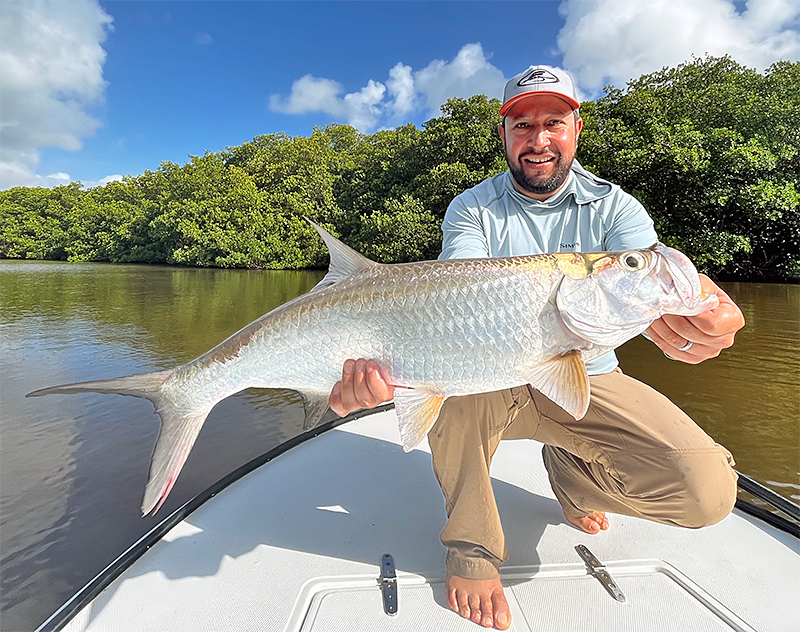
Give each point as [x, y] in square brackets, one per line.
[633, 261]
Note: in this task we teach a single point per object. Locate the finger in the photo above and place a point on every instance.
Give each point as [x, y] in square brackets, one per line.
[726, 319]
[381, 390]
[694, 355]
[335, 400]
[349, 399]
[678, 330]
[347, 372]
[361, 390]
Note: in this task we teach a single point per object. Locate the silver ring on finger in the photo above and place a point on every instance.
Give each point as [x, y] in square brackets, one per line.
[687, 346]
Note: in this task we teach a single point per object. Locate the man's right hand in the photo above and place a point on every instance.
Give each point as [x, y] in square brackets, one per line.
[363, 385]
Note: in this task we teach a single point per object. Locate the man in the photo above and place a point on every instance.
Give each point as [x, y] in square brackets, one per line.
[634, 452]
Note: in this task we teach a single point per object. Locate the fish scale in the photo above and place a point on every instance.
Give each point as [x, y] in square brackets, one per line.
[439, 328]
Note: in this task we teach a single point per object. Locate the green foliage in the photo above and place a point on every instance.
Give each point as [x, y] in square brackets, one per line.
[711, 148]
[34, 221]
[403, 231]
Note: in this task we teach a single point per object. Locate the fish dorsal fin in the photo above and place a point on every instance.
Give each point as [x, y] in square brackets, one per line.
[344, 260]
[564, 380]
[416, 411]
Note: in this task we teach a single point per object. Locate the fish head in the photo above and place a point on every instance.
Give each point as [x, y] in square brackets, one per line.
[622, 293]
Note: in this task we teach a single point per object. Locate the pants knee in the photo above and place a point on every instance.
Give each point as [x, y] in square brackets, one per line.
[708, 494]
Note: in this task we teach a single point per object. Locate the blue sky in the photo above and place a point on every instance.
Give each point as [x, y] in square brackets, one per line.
[96, 90]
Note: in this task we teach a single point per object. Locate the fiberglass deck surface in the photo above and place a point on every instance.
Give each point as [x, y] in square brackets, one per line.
[297, 545]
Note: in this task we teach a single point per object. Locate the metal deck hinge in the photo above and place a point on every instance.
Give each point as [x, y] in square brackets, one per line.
[599, 571]
[389, 585]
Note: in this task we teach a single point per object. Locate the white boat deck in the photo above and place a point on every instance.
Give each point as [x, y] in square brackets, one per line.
[297, 545]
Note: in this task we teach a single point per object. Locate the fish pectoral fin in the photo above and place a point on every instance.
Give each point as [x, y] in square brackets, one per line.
[344, 260]
[564, 380]
[416, 411]
[315, 406]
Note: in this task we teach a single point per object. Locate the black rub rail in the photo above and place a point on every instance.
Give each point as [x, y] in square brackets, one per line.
[790, 525]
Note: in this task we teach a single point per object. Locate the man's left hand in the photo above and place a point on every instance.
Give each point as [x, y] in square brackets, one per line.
[709, 332]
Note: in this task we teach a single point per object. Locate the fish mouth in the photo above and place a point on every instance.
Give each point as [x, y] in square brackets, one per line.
[685, 281]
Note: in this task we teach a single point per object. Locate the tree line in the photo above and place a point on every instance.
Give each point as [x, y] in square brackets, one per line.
[711, 148]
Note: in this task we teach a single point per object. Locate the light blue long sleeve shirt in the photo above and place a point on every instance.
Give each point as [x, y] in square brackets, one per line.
[588, 214]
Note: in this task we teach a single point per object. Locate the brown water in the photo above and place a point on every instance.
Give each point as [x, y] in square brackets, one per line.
[72, 469]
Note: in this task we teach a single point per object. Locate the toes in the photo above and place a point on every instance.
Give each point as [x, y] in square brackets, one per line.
[599, 518]
[502, 615]
[475, 608]
[486, 612]
[451, 599]
[463, 605]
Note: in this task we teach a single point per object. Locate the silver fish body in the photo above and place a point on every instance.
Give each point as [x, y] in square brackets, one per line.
[437, 328]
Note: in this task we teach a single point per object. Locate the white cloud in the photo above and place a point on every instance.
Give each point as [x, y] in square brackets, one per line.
[405, 91]
[102, 181]
[203, 39]
[51, 57]
[613, 41]
[312, 94]
[401, 87]
[469, 73]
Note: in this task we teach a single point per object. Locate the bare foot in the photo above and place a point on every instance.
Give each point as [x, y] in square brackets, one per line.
[479, 600]
[593, 523]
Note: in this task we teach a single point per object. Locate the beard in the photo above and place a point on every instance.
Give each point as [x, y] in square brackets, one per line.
[540, 185]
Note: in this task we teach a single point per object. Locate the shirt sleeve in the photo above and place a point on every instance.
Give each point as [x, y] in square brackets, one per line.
[628, 225]
[463, 236]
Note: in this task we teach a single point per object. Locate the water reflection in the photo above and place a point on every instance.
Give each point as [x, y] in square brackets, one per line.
[73, 468]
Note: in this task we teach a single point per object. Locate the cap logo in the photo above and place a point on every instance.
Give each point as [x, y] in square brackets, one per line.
[537, 75]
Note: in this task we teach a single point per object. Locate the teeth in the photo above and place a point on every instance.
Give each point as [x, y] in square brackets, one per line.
[539, 161]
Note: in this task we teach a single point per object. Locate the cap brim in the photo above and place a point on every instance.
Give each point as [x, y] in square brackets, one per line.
[526, 95]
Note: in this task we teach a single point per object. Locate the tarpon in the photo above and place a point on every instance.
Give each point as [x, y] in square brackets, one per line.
[436, 328]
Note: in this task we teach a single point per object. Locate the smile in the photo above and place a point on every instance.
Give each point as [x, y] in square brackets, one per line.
[539, 160]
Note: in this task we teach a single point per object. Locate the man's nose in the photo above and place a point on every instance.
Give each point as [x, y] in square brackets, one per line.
[539, 139]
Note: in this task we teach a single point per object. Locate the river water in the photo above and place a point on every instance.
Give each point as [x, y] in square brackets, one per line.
[73, 468]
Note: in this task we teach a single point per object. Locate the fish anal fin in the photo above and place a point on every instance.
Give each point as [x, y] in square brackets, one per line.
[564, 380]
[315, 406]
[344, 260]
[417, 411]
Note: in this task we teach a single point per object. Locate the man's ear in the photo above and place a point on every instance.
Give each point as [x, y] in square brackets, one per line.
[502, 131]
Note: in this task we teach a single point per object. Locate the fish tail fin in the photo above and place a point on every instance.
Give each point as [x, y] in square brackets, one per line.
[179, 430]
[179, 427]
[142, 385]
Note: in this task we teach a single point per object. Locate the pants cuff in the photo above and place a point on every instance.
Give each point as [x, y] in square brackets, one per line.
[471, 567]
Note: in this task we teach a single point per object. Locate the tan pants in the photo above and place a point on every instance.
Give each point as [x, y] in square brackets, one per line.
[634, 453]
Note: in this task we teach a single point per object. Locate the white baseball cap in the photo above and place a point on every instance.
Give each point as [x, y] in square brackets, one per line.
[540, 80]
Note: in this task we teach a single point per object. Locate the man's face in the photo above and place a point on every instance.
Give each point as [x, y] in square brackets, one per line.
[540, 137]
